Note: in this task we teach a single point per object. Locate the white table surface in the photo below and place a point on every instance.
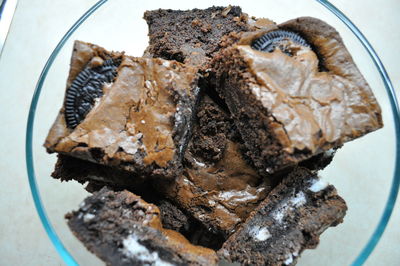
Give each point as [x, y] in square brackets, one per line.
[36, 29]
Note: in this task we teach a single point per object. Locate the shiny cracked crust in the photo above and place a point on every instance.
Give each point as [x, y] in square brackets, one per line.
[287, 105]
[142, 122]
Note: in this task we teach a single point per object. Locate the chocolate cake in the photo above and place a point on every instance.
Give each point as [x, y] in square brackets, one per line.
[122, 229]
[289, 220]
[138, 120]
[294, 92]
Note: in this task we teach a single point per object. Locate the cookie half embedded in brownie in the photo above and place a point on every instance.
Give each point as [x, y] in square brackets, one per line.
[122, 229]
[192, 36]
[130, 113]
[289, 220]
[295, 91]
[219, 185]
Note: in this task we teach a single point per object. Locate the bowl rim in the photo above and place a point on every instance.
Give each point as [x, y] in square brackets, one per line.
[391, 200]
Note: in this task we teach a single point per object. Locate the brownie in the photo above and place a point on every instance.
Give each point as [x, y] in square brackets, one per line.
[97, 176]
[190, 36]
[294, 92]
[194, 36]
[222, 144]
[122, 229]
[219, 185]
[139, 122]
[289, 220]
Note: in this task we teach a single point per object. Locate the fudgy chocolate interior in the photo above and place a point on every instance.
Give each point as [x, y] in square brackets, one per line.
[190, 36]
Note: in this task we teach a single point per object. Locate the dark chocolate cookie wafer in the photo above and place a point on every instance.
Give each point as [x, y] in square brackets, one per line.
[279, 38]
[86, 88]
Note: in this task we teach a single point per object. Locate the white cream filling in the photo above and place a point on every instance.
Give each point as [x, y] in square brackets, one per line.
[133, 249]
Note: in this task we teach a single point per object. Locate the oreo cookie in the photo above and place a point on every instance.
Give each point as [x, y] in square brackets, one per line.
[271, 40]
[86, 88]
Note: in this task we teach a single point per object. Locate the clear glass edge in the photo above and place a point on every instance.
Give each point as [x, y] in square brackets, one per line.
[374, 239]
[65, 255]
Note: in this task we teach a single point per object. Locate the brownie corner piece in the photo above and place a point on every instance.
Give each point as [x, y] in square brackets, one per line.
[289, 220]
[130, 113]
[295, 92]
[122, 229]
[191, 36]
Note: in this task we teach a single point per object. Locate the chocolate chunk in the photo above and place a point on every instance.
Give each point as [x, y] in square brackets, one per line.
[279, 38]
[122, 229]
[289, 220]
[85, 89]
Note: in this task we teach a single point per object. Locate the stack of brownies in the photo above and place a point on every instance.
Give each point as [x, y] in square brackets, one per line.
[207, 148]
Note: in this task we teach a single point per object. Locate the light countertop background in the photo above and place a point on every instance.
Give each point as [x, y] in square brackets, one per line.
[36, 29]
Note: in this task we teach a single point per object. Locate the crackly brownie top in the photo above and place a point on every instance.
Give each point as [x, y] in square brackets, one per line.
[142, 115]
[192, 36]
[309, 84]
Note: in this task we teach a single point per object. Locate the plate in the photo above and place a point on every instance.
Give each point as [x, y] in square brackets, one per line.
[366, 172]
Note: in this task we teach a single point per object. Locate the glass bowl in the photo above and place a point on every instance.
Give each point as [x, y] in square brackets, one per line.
[367, 180]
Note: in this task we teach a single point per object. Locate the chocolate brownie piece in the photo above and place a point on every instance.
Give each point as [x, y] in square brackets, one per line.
[97, 176]
[295, 92]
[69, 168]
[219, 186]
[193, 36]
[122, 229]
[289, 220]
[140, 119]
